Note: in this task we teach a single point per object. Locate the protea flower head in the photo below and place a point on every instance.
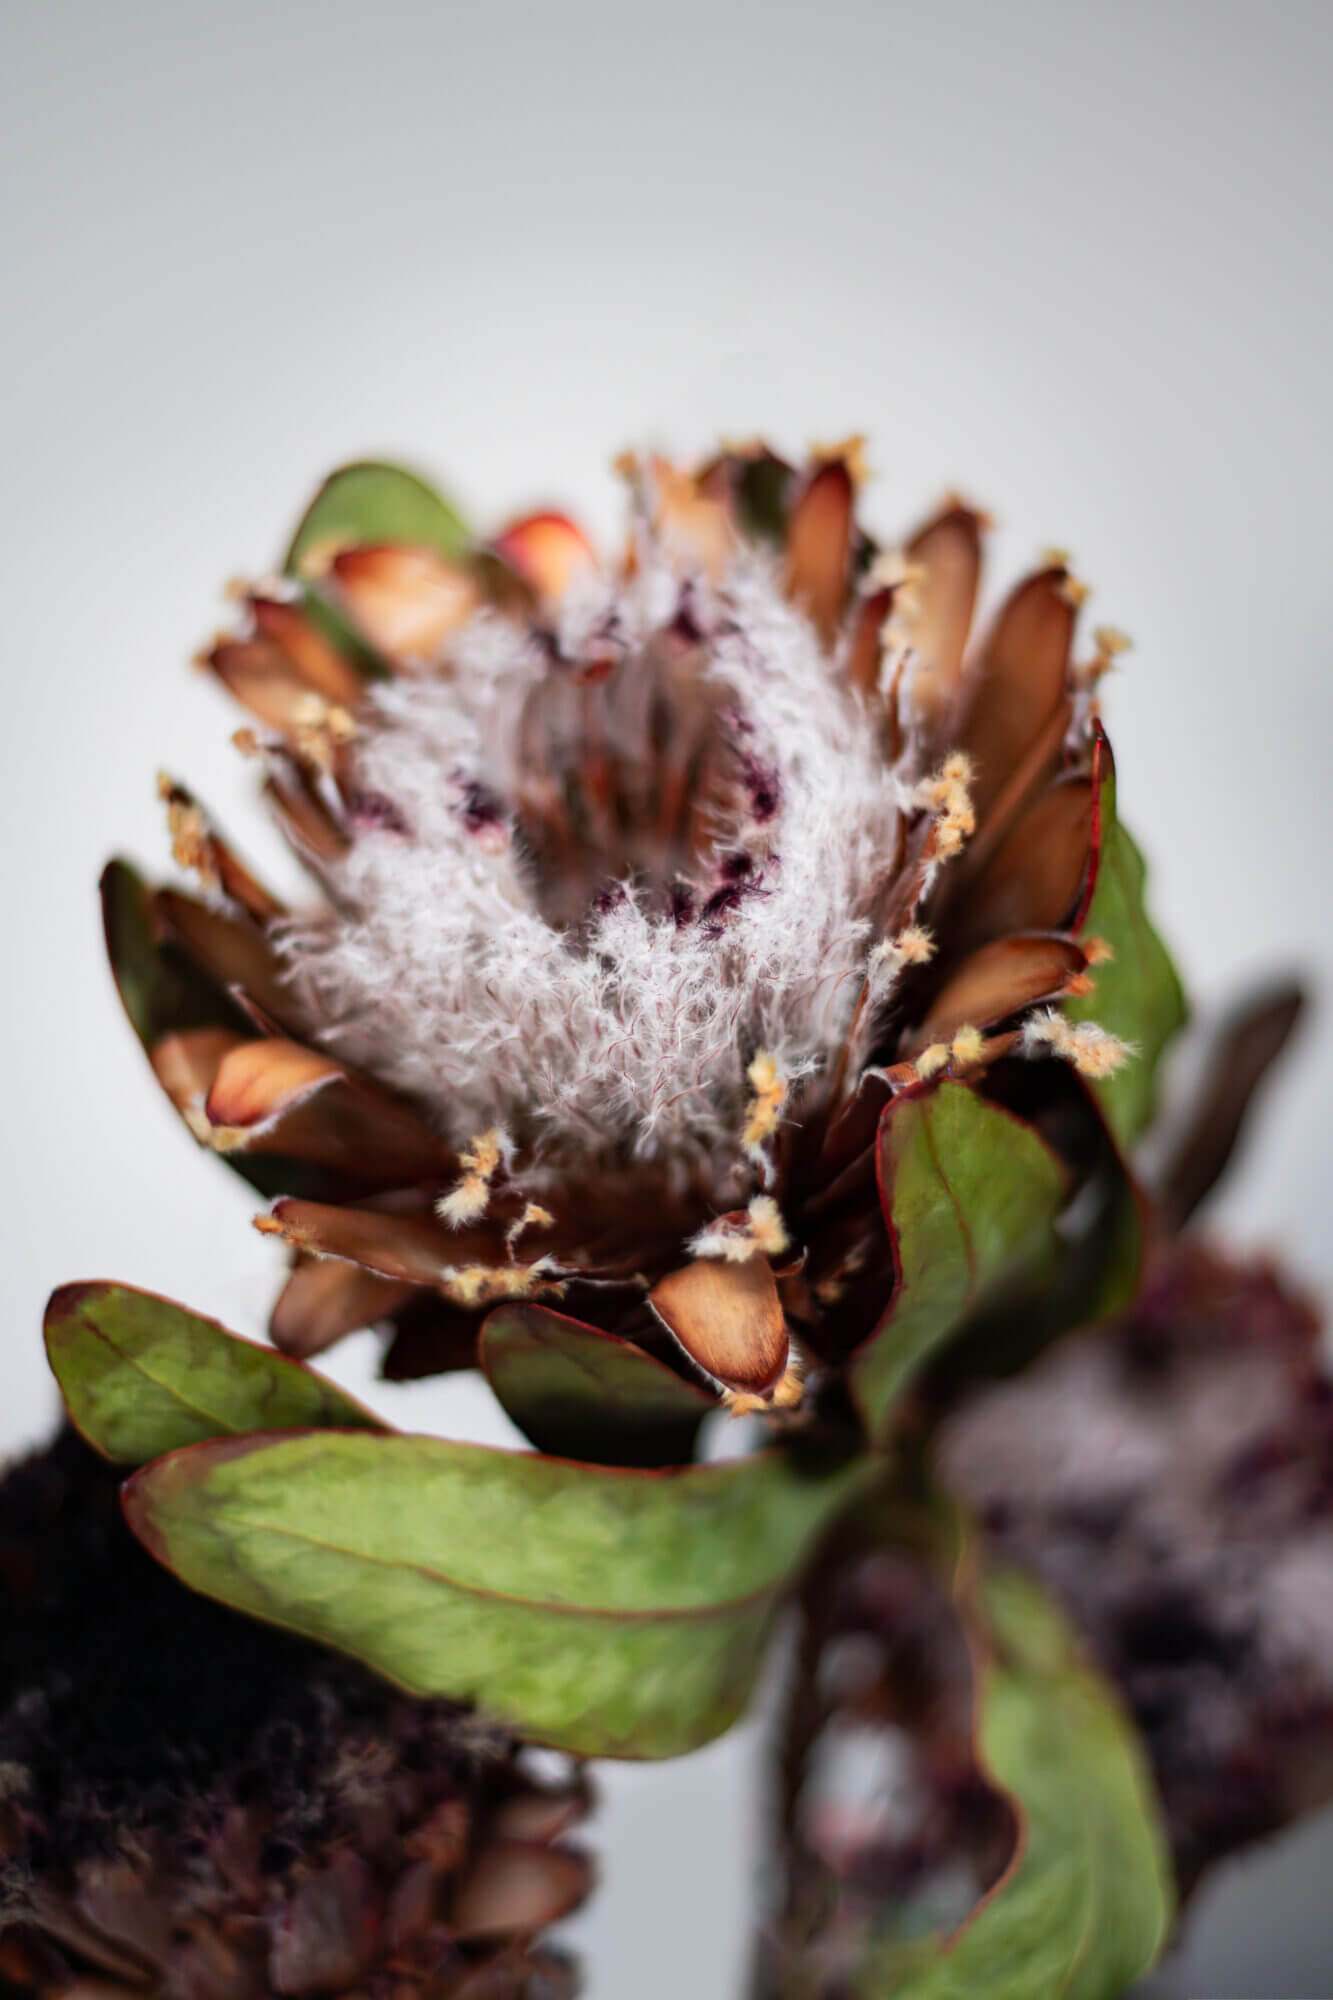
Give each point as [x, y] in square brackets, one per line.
[1186, 1521]
[196, 1805]
[651, 881]
[1169, 1478]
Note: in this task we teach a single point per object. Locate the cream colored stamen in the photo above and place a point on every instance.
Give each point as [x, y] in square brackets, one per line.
[470, 1197]
[1091, 1049]
[769, 1088]
[761, 1233]
[948, 794]
[485, 1284]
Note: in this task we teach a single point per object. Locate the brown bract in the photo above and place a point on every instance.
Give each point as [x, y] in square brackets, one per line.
[977, 908]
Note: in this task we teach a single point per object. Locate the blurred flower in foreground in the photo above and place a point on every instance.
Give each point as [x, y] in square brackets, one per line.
[651, 884]
[196, 1805]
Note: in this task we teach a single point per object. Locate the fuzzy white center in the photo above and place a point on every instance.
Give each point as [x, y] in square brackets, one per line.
[629, 1030]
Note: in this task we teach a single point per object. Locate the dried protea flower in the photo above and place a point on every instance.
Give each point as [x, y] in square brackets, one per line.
[652, 884]
[196, 1805]
[1170, 1478]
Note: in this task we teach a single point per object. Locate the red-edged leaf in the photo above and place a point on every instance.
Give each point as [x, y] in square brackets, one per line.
[577, 1392]
[610, 1613]
[1137, 994]
[970, 1196]
[142, 1376]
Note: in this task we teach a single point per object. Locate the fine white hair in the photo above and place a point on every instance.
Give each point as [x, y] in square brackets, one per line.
[439, 971]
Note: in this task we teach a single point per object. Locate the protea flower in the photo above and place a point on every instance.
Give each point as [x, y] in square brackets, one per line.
[1169, 1478]
[650, 884]
[195, 1805]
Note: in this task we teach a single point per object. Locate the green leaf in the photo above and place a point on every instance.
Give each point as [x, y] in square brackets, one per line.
[1137, 994]
[576, 1392]
[610, 1613]
[970, 1195]
[142, 1376]
[369, 502]
[1085, 1905]
[1082, 1277]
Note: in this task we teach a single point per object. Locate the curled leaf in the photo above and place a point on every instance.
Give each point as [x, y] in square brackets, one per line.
[970, 1196]
[1137, 994]
[371, 502]
[1084, 1907]
[577, 1392]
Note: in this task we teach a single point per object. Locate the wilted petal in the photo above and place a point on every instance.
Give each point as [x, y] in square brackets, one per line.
[185, 1065]
[197, 844]
[303, 1104]
[232, 950]
[325, 1938]
[260, 676]
[999, 980]
[325, 1299]
[866, 646]
[1020, 679]
[1033, 879]
[321, 666]
[728, 1319]
[406, 601]
[415, 1248]
[948, 552]
[310, 828]
[547, 551]
[516, 1888]
[819, 546]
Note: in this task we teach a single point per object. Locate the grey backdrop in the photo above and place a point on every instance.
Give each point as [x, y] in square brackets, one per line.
[1071, 257]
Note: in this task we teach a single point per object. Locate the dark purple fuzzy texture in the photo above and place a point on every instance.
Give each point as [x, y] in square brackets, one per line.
[128, 1705]
[1170, 1479]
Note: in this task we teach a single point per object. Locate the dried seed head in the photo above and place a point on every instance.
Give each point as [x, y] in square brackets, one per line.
[192, 1797]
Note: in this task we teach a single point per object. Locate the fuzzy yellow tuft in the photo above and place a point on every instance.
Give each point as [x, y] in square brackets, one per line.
[786, 1395]
[948, 794]
[893, 569]
[470, 1197]
[968, 1045]
[534, 1216]
[932, 1060]
[1092, 1050]
[761, 1233]
[319, 728]
[486, 1284]
[191, 840]
[915, 945]
[769, 1088]
[849, 451]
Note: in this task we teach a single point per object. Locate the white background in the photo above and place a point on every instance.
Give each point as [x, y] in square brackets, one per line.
[1072, 258]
